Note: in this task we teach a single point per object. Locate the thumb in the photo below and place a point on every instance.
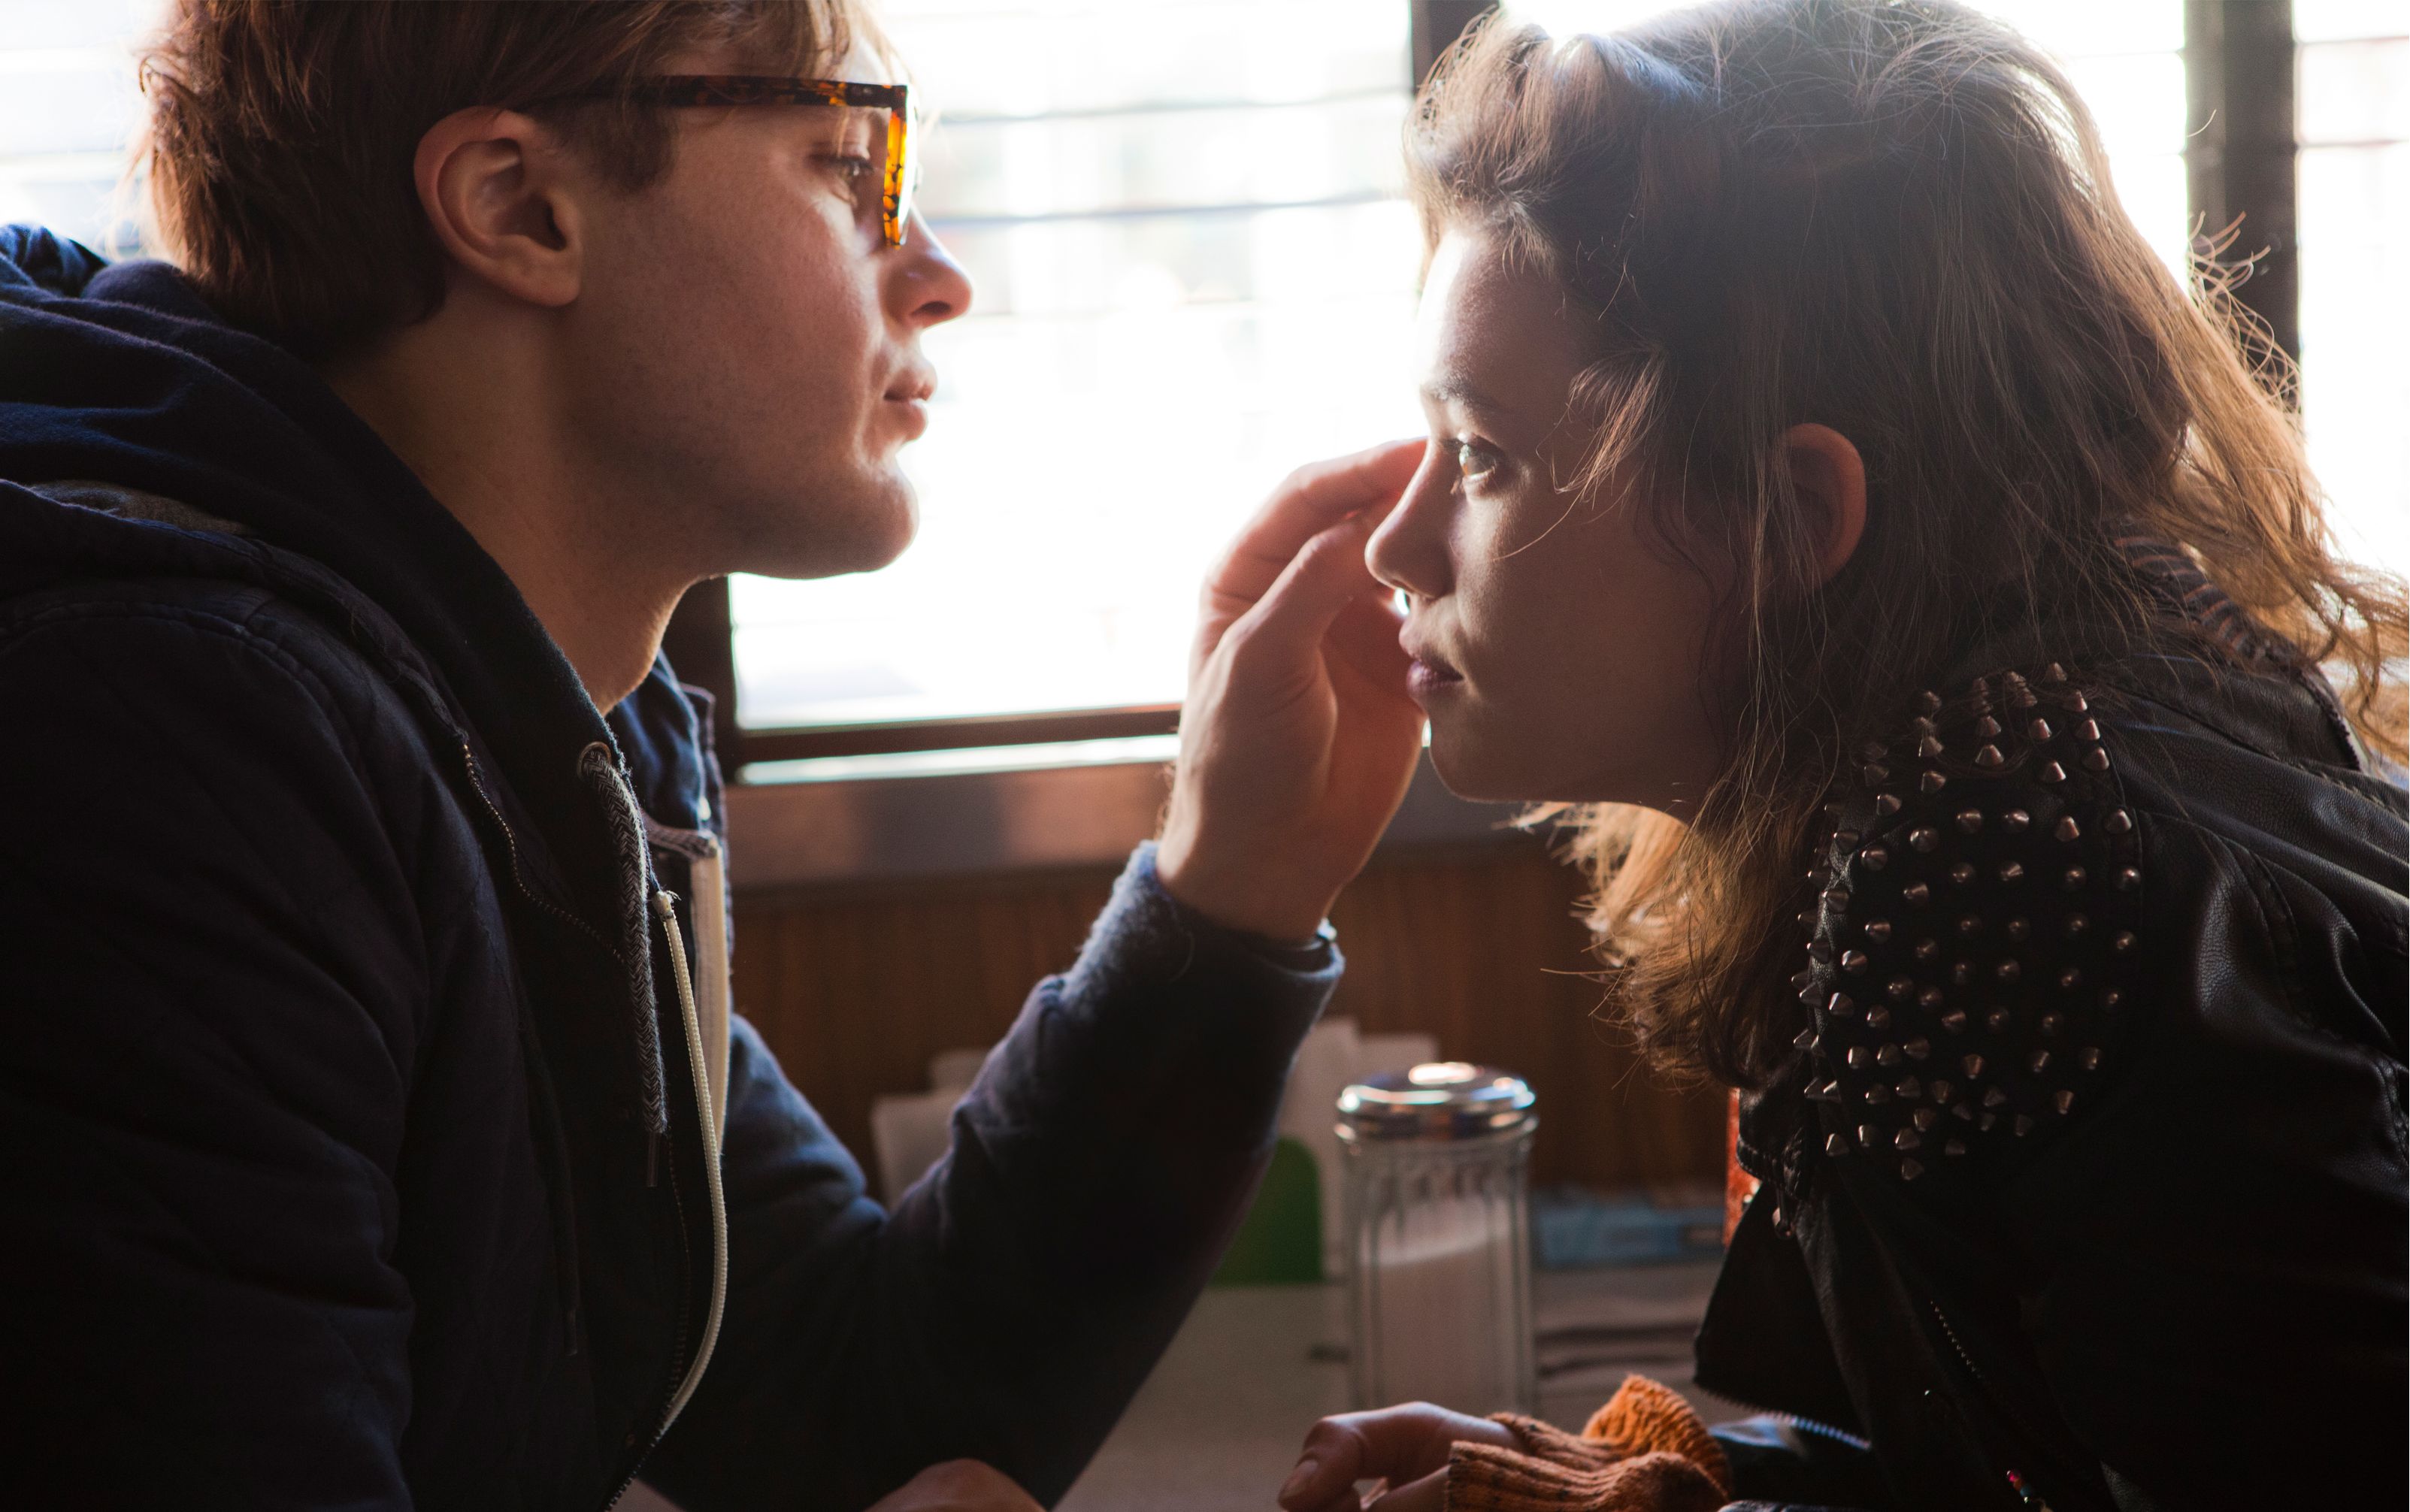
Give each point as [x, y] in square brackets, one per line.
[1331, 1465]
[1429, 1494]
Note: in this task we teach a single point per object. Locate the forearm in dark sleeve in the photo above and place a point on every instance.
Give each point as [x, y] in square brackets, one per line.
[1783, 1465]
[1018, 1296]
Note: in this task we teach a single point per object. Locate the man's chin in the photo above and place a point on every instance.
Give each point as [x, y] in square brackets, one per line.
[815, 539]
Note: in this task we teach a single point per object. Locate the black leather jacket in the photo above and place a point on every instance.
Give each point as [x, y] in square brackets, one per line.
[2086, 1189]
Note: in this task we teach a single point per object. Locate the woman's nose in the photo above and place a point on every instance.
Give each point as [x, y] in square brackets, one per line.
[1409, 552]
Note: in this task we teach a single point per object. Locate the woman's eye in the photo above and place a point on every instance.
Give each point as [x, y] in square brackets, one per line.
[1474, 460]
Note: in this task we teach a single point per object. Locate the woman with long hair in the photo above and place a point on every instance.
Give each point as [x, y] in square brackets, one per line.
[1917, 604]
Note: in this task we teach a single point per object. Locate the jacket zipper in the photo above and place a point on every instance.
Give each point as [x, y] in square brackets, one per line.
[511, 844]
[677, 1352]
[563, 1207]
[665, 908]
[2016, 1478]
[1952, 1334]
[564, 1201]
[1784, 1415]
[1809, 1424]
[2016, 1482]
[677, 1384]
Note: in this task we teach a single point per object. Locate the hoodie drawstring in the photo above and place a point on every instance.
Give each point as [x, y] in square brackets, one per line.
[666, 907]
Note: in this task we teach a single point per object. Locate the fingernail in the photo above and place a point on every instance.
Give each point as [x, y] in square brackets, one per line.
[1297, 1478]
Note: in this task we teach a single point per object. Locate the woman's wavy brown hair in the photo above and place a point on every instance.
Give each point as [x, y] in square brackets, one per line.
[1894, 218]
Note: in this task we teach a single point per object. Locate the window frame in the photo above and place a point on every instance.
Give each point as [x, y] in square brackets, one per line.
[2240, 163]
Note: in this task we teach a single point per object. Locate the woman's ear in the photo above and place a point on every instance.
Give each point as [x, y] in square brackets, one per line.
[1830, 479]
[491, 185]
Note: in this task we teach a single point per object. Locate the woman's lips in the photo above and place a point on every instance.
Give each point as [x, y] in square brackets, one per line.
[1426, 678]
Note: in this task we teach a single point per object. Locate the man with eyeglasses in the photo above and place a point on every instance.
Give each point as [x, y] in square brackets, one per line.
[377, 1133]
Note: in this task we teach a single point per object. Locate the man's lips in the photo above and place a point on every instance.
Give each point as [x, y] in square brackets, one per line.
[913, 386]
[910, 395]
[914, 414]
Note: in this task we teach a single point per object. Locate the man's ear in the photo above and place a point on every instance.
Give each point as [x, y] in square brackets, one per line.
[492, 185]
[1830, 479]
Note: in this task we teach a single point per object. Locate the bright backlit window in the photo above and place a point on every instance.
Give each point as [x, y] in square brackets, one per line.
[2352, 90]
[1194, 272]
[2126, 59]
[68, 107]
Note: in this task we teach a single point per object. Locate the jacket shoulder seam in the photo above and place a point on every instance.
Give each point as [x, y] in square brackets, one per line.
[243, 632]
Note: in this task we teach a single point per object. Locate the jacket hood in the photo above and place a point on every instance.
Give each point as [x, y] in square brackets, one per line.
[123, 375]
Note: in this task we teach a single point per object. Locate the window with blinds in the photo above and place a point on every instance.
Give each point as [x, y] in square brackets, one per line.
[1194, 271]
[68, 108]
[2352, 94]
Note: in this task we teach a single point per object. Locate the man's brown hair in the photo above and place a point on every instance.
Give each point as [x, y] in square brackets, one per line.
[281, 132]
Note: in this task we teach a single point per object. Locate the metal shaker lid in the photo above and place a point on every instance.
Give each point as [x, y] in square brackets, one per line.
[1441, 1100]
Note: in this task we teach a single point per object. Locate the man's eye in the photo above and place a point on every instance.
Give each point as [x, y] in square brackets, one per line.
[1475, 460]
[852, 167]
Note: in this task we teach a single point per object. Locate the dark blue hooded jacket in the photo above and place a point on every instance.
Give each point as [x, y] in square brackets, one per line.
[351, 1153]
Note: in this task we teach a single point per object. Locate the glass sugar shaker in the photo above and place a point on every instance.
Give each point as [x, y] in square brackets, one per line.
[1439, 1239]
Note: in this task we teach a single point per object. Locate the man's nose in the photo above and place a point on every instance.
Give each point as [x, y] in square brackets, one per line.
[927, 287]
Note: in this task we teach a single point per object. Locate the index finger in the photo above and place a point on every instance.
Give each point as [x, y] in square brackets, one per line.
[1308, 501]
[1402, 1444]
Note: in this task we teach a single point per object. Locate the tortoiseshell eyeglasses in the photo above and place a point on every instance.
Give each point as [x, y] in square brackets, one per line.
[896, 173]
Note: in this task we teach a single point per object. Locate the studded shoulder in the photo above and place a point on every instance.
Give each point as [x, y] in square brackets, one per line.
[1974, 940]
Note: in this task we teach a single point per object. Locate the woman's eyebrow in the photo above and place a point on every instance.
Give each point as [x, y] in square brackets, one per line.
[1456, 389]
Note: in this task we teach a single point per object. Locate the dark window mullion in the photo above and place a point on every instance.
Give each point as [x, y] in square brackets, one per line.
[2240, 156]
[1437, 25]
[702, 647]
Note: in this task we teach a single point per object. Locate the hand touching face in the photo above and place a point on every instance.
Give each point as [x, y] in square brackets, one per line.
[1297, 737]
[1558, 648]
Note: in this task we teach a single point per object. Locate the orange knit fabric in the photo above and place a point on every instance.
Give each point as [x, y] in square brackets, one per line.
[1645, 1451]
[1643, 1416]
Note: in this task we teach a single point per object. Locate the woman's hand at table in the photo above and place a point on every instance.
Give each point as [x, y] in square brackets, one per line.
[1405, 1447]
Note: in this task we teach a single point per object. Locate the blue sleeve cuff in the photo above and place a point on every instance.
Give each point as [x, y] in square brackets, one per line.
[1146, 933]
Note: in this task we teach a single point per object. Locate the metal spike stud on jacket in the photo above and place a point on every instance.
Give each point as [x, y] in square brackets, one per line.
[2084, 1187]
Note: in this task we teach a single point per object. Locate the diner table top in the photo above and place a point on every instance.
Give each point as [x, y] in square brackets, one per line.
[1216, 1428]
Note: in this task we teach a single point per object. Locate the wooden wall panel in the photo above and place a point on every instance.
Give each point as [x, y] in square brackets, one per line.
[855, 988]
[1485, 952]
